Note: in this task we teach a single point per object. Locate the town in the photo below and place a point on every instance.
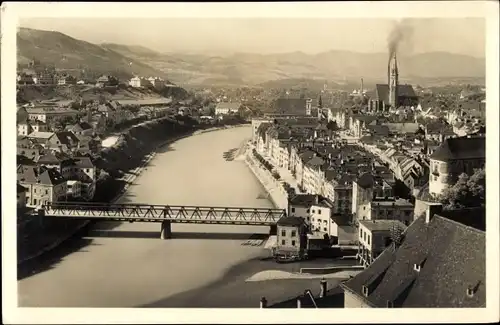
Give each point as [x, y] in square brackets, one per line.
[379, 186]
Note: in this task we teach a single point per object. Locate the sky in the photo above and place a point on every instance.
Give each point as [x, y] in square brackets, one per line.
[274, 35]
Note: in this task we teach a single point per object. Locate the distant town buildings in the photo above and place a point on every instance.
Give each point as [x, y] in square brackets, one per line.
[227, 108]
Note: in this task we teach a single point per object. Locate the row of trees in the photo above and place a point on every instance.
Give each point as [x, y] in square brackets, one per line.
[261, 160]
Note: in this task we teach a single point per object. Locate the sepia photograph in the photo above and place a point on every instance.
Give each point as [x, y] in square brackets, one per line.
[240, 156]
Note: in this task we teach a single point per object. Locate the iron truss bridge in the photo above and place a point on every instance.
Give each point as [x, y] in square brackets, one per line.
[160, 213]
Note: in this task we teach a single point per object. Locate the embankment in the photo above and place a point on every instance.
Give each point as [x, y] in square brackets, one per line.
[121, 163]
[273, 187]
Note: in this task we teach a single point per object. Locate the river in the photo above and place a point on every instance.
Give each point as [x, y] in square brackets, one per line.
[129, 265]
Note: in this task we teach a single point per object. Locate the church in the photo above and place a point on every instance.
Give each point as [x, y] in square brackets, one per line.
[392, 94]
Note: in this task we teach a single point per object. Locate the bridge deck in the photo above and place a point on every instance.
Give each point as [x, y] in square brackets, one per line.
[159, 213]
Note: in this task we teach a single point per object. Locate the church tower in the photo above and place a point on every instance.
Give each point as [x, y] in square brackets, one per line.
[393, 82]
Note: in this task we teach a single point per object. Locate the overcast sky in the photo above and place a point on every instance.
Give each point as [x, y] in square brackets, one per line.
[274, 35]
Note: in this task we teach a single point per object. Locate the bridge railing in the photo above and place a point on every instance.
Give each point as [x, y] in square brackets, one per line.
[164, 212]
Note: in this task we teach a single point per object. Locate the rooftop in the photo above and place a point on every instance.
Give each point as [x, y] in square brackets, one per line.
[381, 225]
[444, 251]
[468, 147]
[290, 221]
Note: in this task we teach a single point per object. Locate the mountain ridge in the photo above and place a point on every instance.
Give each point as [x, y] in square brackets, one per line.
[242, 68]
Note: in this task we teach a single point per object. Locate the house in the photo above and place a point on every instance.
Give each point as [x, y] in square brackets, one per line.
[25, 79]
[454, 157]
[29, 148]
[26, 127]
[227, 108]
[156, 82]
[74, 189]
[374, 236]
[41, 138]
[291, 237]
[139, 82]
[66, 80]
[109, 109]
[387, 209]
[316, 211]
[45, 78]
[365, 188]
[47, 114]
[420, 269]
[105, 81]
[81, 128]
[63, 141]
[58, 161]
[43, 185]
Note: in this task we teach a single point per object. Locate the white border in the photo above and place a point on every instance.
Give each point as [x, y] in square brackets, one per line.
[12, 11]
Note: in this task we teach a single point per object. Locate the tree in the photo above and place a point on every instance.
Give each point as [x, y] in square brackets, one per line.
[468, 191]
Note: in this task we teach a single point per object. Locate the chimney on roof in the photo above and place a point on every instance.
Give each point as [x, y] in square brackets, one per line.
[323, 287]
[432, 209]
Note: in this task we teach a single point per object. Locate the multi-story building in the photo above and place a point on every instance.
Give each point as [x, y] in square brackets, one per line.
[105, 81]
[43, 185]
[46, 114]
[454, 157]
[156, 82]
[66, 80]
[139, 82]
[291, 237]
[81, 128]
[387, 209]
[226, 108]
[365, 188]
[45, 78]
[374, 236]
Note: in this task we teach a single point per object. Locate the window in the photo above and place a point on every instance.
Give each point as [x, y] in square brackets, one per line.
[294, 233]
[283, 233]
[312, 211]
[319, 211]
[360, 233]
[368, 240]
[293, 209]
[435, 178]
[87, 170]
[283, 242]
[46, 192]
[324, 229]
[293, 242]
[364, 236]
[308, 218]
[34, 201]
[312, 219]
[307, 210]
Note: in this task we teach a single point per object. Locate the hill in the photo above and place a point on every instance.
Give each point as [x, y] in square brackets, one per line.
[65, 52]
[241, 68]
[334, 66]
[54, 93]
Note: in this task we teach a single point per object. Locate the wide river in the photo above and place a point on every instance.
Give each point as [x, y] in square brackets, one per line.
[127, 265]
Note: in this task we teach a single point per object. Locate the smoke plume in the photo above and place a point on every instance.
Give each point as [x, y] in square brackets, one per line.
[400, 33]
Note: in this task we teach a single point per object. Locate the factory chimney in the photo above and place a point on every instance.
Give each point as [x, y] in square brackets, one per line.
[361, 90]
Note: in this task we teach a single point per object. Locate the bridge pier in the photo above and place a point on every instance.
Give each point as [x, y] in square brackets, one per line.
[166, 230]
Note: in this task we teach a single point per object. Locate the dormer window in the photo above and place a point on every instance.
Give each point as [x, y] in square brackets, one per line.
[390, 304]
[365, 291]
[416, 267]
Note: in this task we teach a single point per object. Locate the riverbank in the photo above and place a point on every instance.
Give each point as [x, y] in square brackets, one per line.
[70, 228]
[273, 187]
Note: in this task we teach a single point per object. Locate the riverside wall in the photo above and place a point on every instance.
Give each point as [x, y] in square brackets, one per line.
[273, 187]
[131, 153]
